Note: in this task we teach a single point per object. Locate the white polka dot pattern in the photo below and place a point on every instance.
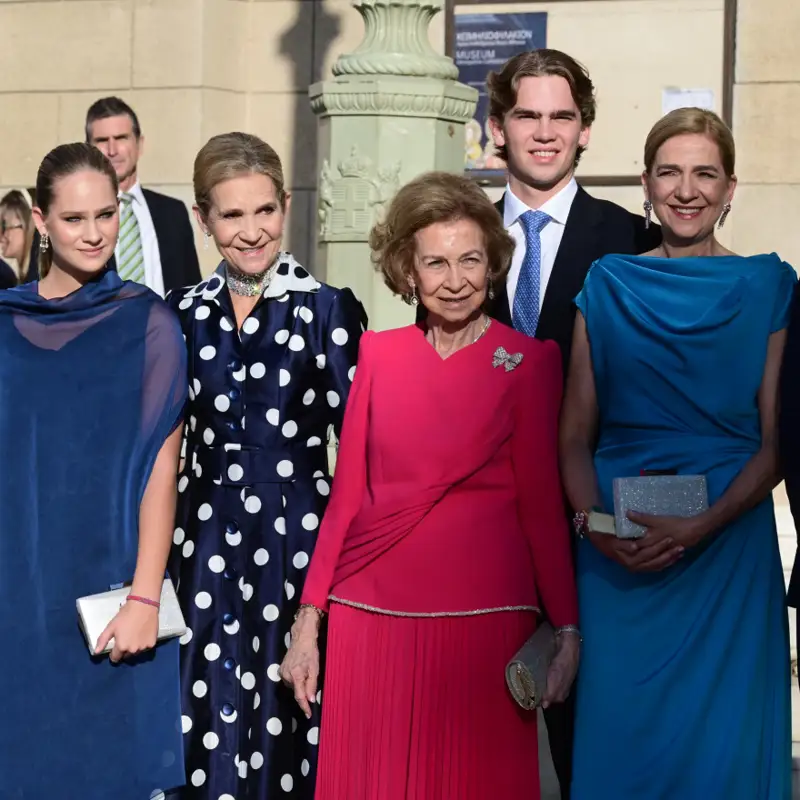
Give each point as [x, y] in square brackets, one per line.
[250, 503]
[258, 370]
[250, 326]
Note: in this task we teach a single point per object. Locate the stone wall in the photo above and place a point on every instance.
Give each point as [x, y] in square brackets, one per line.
[190, 69]
[767, 128]
[767, 131]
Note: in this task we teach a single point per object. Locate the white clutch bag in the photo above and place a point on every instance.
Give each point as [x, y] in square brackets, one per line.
[97, 610]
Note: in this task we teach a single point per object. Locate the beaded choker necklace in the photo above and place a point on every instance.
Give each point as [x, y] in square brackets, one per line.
[248, 285]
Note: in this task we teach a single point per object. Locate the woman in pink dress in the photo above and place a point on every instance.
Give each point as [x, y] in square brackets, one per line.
[445, 536]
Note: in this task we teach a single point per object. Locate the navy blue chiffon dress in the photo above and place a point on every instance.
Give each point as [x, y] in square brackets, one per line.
[91, 385]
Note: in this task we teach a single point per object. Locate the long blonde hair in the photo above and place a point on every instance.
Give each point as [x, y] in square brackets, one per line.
[14, 202]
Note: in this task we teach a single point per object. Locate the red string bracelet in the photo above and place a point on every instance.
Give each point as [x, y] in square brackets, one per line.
[144, 600]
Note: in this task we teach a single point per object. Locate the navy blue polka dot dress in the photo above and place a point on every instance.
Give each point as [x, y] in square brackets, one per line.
[255, 483]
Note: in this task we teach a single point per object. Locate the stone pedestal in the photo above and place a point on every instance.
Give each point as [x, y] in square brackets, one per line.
[393, 110]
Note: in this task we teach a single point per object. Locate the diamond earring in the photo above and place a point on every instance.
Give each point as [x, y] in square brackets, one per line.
[726, 209]
[648, 211]
[490, 291]
[205, 240]
[44, 243]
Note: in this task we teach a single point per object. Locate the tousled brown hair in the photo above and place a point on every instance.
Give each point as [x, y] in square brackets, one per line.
[61, 161]
[430, 198]
[684, 121]
[503, 86]
[230, 155]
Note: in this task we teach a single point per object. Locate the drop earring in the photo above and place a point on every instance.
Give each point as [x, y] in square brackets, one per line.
[726, 209]
[205, 240]
[44, 243]
[648, 211]
[490, 291]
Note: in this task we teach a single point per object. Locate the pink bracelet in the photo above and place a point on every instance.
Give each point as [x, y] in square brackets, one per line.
[144, 600]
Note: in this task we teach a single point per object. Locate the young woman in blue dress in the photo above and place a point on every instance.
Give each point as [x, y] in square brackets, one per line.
[93, 387]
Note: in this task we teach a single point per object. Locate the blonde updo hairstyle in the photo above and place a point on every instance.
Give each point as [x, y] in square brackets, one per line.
[435, 197]
[683, 121]
[231, 155]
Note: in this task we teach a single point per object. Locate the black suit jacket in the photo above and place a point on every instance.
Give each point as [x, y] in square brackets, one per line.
[179, 264]
[594, 228]
[789, 431]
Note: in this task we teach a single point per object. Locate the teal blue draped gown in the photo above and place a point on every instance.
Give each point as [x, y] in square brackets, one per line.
[683, 691]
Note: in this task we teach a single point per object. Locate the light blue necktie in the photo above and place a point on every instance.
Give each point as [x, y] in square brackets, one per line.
[525, 313]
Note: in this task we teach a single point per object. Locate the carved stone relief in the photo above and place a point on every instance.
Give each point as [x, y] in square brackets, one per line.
[352, 196]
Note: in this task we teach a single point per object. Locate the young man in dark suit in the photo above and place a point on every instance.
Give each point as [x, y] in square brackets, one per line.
[156, 243]
[542, 106]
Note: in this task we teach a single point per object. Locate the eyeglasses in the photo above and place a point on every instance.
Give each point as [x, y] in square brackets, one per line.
[4, 228]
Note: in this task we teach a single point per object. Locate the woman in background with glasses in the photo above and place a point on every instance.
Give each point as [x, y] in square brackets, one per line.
[16, 237]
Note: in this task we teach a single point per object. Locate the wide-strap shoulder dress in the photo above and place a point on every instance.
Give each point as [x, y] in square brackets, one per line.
[444, 538]
[684, 683]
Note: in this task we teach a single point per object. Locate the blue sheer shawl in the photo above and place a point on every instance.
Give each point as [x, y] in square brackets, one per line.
[91, 385]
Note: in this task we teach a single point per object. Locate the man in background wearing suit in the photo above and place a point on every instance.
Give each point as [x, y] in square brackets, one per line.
[156, 244]
[541, 107]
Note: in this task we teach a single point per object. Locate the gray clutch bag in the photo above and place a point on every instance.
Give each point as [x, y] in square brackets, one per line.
[666, 495]
[526, 673]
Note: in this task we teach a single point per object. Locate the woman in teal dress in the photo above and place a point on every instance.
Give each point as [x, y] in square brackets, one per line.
[683, 692]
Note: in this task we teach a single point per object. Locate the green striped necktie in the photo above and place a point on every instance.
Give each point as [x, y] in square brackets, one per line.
[130, 263]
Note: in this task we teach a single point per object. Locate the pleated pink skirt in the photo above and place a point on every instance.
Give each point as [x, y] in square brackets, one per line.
[418, 709]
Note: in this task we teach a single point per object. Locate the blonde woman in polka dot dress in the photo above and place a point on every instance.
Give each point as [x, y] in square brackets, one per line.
[272, 355]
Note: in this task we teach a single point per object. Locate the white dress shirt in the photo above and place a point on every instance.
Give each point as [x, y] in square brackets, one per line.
[557, 208]
[153, 277]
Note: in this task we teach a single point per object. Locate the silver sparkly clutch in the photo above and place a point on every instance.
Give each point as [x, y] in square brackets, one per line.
[526, 673]
[97, 610]
[664, 495]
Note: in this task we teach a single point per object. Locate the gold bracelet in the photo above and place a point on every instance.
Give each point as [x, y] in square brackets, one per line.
[320, 612]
